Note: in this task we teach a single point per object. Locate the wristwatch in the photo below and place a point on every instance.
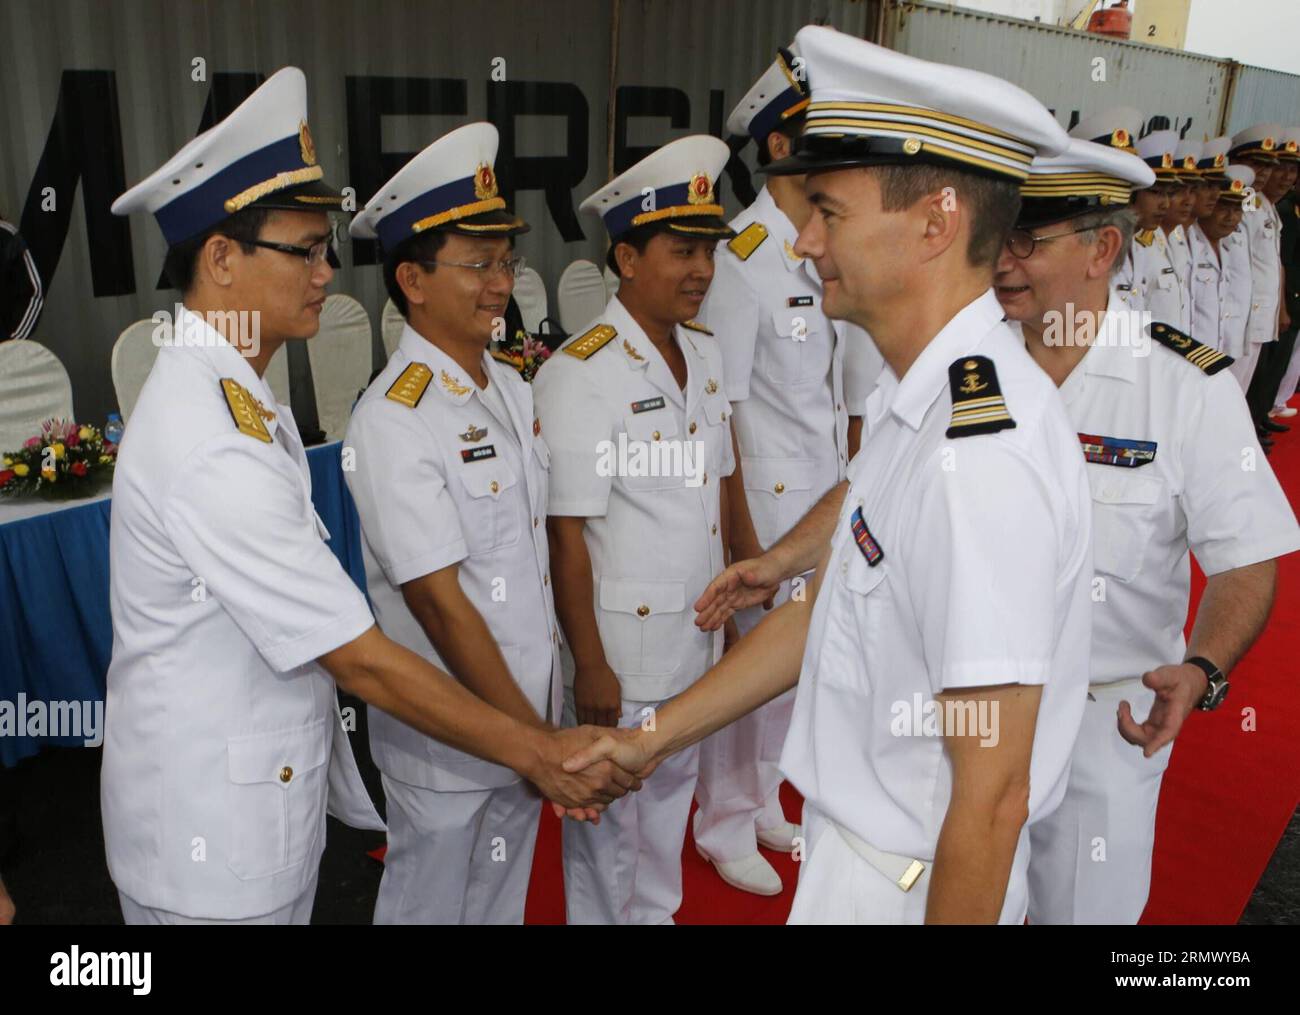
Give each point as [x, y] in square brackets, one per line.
[1218, 688]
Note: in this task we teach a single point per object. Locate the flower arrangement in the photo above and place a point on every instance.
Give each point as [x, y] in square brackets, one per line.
[65, 459]
[526, 354]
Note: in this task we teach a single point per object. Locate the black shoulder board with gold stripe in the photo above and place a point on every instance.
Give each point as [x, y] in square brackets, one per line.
[748, 240]
[591, 341]
[696, 326]
[410, 387]
[977, 404]
[1209, 360]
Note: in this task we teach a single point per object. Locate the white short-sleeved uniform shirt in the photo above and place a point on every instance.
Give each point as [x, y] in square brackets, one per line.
[1238, 291]
[221, 726]
[983, 579]
[1166, 298]
[1200, 482]
[1129, 281]
[655, 540]
[789, 369]
[1180, 255]
[447, 481]
[1209, 289]
[1263, 230]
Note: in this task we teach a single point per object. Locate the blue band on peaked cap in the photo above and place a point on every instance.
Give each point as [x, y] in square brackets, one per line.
[772, 100]
[398, 225]
[260, 155]
[450, 185]
[204, 206]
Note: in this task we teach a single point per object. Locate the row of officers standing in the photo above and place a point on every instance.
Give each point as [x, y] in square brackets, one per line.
[1214, 250]
[842, 404]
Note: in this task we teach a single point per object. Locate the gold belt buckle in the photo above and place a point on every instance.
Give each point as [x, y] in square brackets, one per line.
[911, 875]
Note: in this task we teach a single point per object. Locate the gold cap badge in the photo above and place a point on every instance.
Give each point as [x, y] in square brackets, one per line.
[485, 182]
[700, 190]
[305, 144]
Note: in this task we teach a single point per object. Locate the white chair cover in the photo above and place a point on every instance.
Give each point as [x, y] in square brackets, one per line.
[391, 324]
[340, 361]
[134, 353]
[34, 387]
[580, 296]
[530, 294]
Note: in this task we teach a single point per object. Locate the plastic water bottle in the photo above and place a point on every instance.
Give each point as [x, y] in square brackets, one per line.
[113, 428]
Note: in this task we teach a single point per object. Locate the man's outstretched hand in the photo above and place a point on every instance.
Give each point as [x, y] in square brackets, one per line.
[745, 583]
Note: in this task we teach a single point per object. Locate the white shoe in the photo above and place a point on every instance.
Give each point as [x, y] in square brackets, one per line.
[1284, 413]
[780, 837]
[752, 874]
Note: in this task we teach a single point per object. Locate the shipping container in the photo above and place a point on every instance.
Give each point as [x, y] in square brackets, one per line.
[1074, 74]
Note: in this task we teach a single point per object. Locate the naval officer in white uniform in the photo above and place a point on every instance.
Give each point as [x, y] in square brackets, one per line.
[224, 744]
[1163, 428]
[635, 411]
[450, 485]
[956, 582]
[796, 381]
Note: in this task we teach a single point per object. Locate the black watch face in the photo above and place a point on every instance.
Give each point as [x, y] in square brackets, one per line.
[1216, 695]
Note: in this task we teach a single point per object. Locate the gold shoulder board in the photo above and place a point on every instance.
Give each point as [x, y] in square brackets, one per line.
[696, 326]
[409, 388]
[592, 341]
[244, 410]
[1209, 360]
[748, 240]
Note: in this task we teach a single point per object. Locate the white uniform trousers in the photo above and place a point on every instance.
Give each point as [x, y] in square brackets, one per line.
[1091, 857]
[1289, 380]
[628, 869]
[837, 886]
[296, 912]
[457, 857]
[1243, 368]
[740, 773]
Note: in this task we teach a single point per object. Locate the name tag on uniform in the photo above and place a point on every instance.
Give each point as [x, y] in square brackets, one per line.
[647, 404]
[478, 454]
[799, 301]
[1166, 271]
[1117, 450]
[1124, 288]
[866, 541]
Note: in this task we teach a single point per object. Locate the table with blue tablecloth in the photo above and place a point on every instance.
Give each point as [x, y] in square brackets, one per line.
[56, 630]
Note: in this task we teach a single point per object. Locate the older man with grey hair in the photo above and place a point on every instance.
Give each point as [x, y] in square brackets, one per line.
[1174, 466]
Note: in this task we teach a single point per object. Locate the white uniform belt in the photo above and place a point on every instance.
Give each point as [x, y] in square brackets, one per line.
[904, 871]
[1111, 683]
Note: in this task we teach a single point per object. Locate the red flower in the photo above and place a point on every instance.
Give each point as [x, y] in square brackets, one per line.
[72, 439]
[78, 468]
[5, 476]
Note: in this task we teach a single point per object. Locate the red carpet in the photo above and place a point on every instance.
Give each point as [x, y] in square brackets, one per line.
[1227, 796]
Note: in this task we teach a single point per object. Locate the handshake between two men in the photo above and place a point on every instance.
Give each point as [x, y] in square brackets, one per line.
[627, 755]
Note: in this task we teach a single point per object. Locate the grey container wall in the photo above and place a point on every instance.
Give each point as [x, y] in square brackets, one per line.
[385, 77]
[1175, 90]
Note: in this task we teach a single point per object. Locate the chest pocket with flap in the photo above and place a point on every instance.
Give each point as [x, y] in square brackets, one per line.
[493, 517]
[644, 431]
[1124, 506]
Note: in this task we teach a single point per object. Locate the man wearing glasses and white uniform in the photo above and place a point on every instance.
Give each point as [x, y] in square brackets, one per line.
[451, 485]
